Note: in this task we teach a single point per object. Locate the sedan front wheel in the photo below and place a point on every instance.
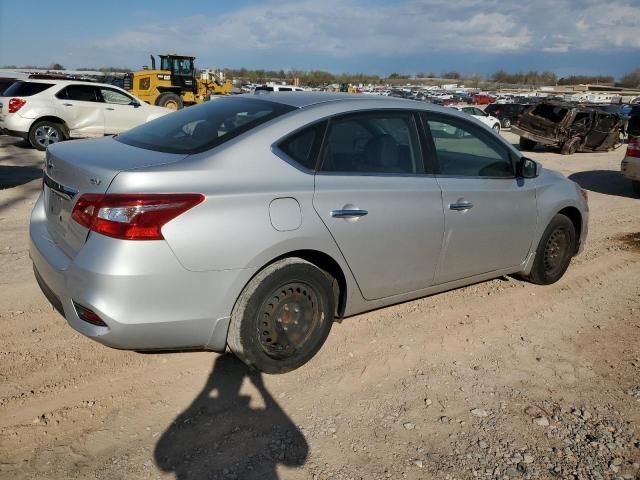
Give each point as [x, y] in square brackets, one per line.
[554, 252]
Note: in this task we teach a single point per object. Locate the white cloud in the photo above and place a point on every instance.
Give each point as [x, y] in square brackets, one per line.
[348, 28]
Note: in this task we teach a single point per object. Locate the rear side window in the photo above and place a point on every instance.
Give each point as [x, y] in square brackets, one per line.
[200, 128]
[81, 93]
[385, 142]
[303, 145]
[550, 112]
[26, 89]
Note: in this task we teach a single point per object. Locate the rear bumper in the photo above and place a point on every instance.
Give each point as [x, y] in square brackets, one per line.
[16, 126]
[630, 168]
[139, 289]
[534, 137]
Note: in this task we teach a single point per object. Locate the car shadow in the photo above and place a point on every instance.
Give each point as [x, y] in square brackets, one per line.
[13, 176]
[221, 436]
[608, 182]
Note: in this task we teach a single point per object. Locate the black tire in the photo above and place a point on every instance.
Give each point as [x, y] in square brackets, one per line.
[635, 185]
[570, 146]
[283, 316]
[506, 123]
[170, 100]
[496, 127]
[45, 133]
[555, 250]
[526, 144]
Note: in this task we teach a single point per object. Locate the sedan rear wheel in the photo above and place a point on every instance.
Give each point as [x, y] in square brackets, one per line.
[283, 316]
[554, 252]
[45, 133]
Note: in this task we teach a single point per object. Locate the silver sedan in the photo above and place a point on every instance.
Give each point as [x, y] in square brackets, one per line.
[253, 222]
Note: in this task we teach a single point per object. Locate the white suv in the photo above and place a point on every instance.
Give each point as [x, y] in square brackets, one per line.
[49, 111]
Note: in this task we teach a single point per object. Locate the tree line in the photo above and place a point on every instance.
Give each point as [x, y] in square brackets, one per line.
[316, 78]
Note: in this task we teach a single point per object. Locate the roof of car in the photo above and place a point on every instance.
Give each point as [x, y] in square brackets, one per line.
[64, 82]
[306, 99]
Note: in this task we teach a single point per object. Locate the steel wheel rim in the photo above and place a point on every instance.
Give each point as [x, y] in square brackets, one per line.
[555, 251]
[171, 105]
[288, 319]
[46, 135]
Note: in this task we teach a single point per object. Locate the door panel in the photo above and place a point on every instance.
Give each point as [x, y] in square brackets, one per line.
[119, 114]
[395, 247]
[384, 213]
[79, 107]
[490, 216]
[494, 233]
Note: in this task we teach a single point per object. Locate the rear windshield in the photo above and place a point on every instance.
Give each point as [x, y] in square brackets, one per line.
[26, 89]
[5, 83]
[200, 128]
[550, 112]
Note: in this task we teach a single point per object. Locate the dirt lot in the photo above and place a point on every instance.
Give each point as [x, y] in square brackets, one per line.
[502, 379]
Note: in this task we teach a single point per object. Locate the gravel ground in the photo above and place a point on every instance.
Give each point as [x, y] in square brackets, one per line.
[501, 379]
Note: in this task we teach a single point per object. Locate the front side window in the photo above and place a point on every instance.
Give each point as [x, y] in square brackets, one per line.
[200, 128]
[463, 150]
[113, 96]
[81, 93]
[382, 142]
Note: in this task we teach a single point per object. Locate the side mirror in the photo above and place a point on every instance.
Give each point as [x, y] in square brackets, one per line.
[528, 168]
[134, 104]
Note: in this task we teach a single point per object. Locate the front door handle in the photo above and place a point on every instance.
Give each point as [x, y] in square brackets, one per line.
[460, 206]
[109, 108]
[348, 213]
[68, 104]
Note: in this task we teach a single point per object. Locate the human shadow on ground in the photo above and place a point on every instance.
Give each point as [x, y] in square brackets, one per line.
[608, 182]
[221, 437]
[13, 176]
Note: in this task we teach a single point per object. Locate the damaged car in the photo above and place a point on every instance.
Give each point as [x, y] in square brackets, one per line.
[571, 128]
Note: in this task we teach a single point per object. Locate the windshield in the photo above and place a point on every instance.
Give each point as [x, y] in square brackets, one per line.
[177, 65]
[200, 128]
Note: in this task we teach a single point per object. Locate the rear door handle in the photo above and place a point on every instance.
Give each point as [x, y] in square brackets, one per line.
[68, 104]
[460, 206]
[109, 108]
[348, 213]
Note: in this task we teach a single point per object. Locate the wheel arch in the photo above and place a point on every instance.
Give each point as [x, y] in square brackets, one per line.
[576, 218]
[53, 119]
[323, 261]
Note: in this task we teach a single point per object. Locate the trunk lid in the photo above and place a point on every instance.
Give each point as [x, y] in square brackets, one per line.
[86, 166]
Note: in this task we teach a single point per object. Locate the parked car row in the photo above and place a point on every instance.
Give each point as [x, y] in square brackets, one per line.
[45, 112]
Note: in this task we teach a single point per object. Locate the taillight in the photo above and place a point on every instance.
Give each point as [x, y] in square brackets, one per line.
[633, 148]
[16, 104]
[132, 216]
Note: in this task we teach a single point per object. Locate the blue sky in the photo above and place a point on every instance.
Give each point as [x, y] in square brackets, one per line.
[379, 36]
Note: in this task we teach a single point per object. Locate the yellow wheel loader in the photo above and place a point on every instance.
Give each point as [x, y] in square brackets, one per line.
[175, 84]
